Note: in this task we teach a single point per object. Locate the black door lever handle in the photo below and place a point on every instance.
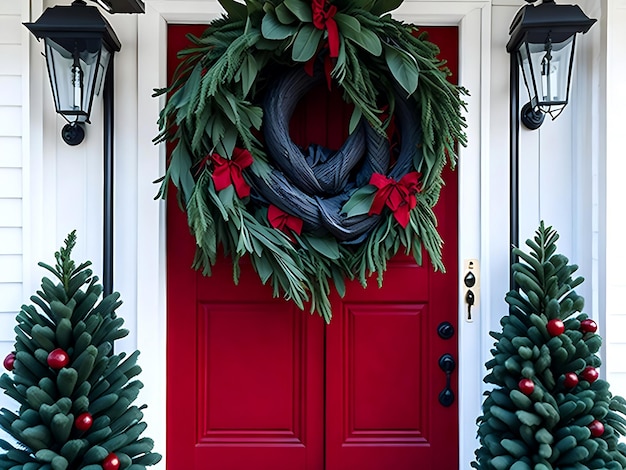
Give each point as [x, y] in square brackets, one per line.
[447, 364]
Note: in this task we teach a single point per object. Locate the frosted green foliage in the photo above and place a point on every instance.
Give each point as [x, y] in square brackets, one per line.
[69, 313]
[556, 421]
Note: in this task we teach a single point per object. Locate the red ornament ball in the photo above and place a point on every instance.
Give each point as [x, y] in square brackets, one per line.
[526, 386]
[9, 362]
[596, 428]
[556, 327]
[571, 380]
[83, 422]
[588, 326]
[590, 374]
[58, 359]
[111, 462]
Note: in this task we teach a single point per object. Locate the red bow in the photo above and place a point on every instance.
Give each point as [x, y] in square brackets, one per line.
[399, 196]
[227, 172]
[323, 19]
[282, 221]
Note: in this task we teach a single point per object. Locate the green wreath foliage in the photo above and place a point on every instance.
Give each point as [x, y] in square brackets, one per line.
[213, 107]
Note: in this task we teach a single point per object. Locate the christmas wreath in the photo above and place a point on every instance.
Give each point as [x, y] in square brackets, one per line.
[309, 216]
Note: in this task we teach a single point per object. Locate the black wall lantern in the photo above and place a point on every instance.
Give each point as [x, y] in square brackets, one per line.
[79, 45]
[542, 42]
[543, 39]
[79, 48]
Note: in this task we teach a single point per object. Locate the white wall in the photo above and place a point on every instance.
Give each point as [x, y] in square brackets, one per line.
[615, 194]
[13, 150]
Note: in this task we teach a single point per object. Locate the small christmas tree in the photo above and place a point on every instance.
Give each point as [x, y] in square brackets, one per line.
[75, 396]
[548, 409]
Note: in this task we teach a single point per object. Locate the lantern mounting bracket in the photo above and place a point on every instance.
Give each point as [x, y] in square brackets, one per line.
[73, 133]
[531, 117]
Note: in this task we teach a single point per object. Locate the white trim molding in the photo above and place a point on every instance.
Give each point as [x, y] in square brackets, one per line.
[474, 21]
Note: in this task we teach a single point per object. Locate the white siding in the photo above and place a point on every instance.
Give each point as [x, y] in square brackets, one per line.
[13, 57]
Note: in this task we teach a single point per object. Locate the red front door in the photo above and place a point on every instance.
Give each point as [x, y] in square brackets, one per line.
[255, 384]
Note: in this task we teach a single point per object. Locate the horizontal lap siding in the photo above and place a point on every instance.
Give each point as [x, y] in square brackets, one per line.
[12, 83]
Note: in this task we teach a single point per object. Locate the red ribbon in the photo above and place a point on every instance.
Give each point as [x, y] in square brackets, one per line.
[323, 18]
[399, 196]
[227, 172]
[282, 221]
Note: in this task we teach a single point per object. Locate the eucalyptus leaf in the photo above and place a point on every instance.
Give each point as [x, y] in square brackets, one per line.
[360, 202]
[216, 128]
[284, 15]
[227, 197]
[180, 170]
[257, 246]
[355, 119]
[263, 268]
[247, 73]
[226, 105]
[227, 143]
[203, 119]
[302, 10]
[339, 280]
[349, 26]
[252, 116]
[325, 246]
[273, 29]
[403, 67]
[369, 41]
[306, 42]
[243, 245]
[190, 87]
[217, 202]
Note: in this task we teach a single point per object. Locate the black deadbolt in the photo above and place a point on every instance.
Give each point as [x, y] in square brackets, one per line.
[445, 330]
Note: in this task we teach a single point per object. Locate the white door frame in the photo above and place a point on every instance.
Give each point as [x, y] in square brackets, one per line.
[474, 21]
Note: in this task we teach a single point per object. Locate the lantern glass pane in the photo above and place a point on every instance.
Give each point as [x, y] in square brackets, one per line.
[556, 77]
[72, 70]
[103, 66]
[554, 73]
[524, 55]
[549, 66]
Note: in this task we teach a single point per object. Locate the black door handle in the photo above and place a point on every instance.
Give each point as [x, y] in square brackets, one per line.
[447, 364]
[445, 330]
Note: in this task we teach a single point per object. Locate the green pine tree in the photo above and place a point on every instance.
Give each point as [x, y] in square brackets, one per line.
[548, 409]
[75, 397]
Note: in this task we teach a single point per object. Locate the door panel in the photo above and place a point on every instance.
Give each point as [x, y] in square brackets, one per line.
[383, 377]
[255, 384]
[245, 375]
